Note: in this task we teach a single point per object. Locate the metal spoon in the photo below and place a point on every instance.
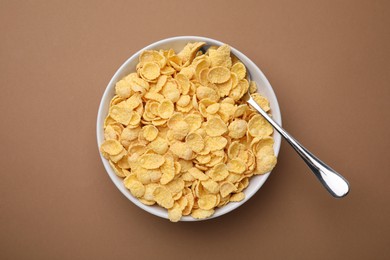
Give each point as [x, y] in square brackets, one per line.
[336, 184]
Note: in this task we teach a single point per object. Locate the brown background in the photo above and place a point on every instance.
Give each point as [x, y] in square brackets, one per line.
[328, 61]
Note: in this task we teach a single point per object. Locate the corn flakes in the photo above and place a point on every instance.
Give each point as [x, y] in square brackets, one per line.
[179, 134]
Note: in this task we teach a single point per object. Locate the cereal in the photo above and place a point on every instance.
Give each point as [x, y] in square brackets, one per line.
[215, 127]
[211, 186]
[151, 161]
[237, 128]
[236, 166]
[168, 171]
[207, 202]
[150, 70]
[136, 187]
[219, 172]
[198, 174]
[262, 101]
[150, 132]
[215, 143]
[218, 74]
[112, 147]
[237, 197]
[181, 150]
[195, 142]
[165, 109]
[163, 197]
[258, 126]
[227, 188]
[121, 114]
[201, 213]
[180, 136]
[239, 69]
[266, 160]
[175, 213]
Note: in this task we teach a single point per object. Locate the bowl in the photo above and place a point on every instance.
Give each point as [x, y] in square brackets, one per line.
[177, 43]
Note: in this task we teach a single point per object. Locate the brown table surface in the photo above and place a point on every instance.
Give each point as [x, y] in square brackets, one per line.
[328, 62]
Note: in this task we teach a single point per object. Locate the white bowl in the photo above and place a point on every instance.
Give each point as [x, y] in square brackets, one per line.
[177, 43]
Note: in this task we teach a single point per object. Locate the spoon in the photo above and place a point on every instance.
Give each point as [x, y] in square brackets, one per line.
[336, 184]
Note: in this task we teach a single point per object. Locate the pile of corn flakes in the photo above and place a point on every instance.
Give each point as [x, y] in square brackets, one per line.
[180, 135]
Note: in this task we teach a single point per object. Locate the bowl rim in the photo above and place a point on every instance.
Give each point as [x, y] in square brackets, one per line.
[102, 114]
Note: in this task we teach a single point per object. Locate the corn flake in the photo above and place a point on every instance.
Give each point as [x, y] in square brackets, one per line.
[112, 147]
[215, 127]
[207, 202]
[219, 172]
[258, 126]
[195, 142]
[237, 128]
[150, 70]
[237, 197]
[239, 69]
[163, 197]
[151, 161]
[266, 160]
[165, 109]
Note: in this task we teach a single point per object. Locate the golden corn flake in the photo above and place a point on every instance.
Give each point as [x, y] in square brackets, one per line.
[195, 142]
[252, 87]
[211, 186]
[163, 197]
[168, 171]
[152, 56]
[218, 74]
[181, 130]
[266, 160]
[121, 114]
[236, 166]
[123, 89]
[202, 213]
[181, 136]
[261, 101]
[215, 127]
[143, 175]
[174, 120]
[207, 93]
[212, 109]
[215, 143]
[159, 145]
[237, 197]
[190, 203]
[183, 101]
[237, 128]
[258, 126]
[176, 186]
[181, 150]
[165, 109]
[198, 174]
[219, 172]
[150, 70]
[135, 186]
[184, 83]
[151, 161]
[227, 188]
[118, 170]
[150, 132]
[112, 147]
[175, 213]
[207, 202]
[239, 69]
[170, 90]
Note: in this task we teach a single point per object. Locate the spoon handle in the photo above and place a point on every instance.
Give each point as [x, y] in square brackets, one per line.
[336, 184]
